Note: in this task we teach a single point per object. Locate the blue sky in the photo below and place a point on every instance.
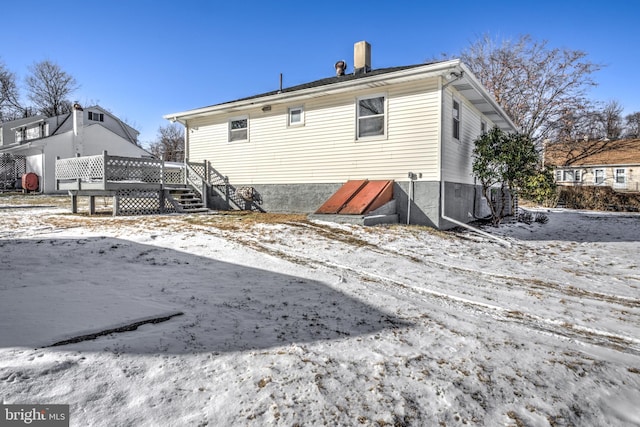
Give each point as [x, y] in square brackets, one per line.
[142, 59]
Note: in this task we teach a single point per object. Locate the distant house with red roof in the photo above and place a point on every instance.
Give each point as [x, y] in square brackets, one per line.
[614, 164]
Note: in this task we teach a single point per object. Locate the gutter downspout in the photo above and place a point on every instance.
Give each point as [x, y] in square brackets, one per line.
[442, 189]
[410, 200]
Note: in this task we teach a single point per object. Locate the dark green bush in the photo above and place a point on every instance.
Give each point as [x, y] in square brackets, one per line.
[599, 198]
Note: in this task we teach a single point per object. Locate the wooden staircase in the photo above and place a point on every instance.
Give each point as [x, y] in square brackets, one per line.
[202, 175]
[185, 200]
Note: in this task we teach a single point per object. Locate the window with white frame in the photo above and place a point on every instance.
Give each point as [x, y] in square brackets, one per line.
[620, 176]
[239, 129]
[371, 116]
[96, 117]
[33, 132]
[21, 134]
[571, 175]
[295, 116]
[598, 176]
[568, 175]
[456, 120]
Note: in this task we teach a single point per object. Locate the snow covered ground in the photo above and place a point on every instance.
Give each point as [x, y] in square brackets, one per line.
[277, 320]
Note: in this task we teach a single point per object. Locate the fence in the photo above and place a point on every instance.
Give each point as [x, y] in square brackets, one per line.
[12, 168]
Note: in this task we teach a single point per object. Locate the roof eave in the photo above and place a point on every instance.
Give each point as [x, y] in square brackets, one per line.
[426, 71]
[24, 125]
[495, 112]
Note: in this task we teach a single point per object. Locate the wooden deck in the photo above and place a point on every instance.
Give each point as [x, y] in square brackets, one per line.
[144, 186]
[136, 184]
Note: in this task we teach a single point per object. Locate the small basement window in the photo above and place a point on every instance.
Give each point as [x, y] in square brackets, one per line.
[239, 129]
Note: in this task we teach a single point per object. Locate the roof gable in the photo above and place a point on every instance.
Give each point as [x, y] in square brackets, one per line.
[64, 123]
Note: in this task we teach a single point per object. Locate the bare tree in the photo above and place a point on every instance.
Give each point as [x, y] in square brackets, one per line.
[48, 88]
[170, 143]
[578, 125]
[587, 133]
[536, 85]
[632, 128]
[611, 120]
[591, 125]
[10, 107]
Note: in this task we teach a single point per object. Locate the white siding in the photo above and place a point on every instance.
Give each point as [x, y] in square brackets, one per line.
[98, 139]
[458, 154]
[632, 178]
[325, 149]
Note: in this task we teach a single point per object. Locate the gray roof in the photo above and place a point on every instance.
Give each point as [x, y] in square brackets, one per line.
[465, 83]
[325, 82]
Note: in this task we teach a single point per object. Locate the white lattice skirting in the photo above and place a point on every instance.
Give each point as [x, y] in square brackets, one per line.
[141, 202]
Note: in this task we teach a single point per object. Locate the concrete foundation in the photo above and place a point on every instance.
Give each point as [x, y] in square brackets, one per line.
[425, 202]
[299, 198]
[462, 201]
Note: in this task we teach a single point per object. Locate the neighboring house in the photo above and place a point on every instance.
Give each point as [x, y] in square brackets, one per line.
[413, 124]
[613, 164]
[83, 132]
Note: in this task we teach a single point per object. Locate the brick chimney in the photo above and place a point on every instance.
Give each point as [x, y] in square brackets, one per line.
[361, 57]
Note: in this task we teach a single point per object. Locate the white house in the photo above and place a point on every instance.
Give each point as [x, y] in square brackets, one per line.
[413, 124]
[603, 163]
[83, 132]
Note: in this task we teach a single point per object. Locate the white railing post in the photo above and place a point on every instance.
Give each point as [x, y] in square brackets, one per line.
[186, 172]
[104, 169]
[78, 179]
[57, 180]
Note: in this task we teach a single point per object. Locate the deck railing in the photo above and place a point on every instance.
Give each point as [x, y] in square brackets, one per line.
[133, 176]
[202, 176]
[106, 172]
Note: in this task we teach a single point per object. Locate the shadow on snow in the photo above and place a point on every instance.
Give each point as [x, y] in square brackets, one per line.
[53, 290]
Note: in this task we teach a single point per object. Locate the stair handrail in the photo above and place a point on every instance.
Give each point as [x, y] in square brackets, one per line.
[196, 181]
[211, 178]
